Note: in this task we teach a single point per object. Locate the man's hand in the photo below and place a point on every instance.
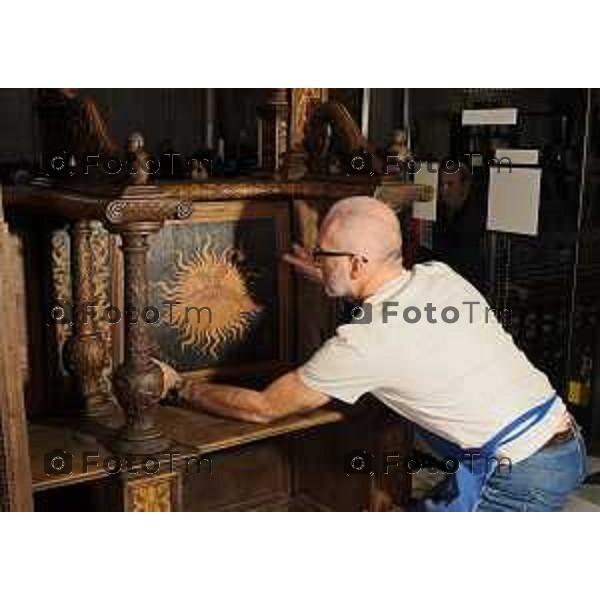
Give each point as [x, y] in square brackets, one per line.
[171, 378]
[302, 261]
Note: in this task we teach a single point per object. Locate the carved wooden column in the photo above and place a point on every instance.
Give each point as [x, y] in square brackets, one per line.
[275, 129]
[303, 104]
[136, 215]
[138, 381]
[87, 352]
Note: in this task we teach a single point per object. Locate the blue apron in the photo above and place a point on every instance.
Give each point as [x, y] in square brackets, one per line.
[461, 491]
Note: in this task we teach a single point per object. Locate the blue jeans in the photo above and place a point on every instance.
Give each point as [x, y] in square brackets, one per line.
[539, 483]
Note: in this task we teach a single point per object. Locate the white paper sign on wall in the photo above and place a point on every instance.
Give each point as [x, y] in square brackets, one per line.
[514, 200]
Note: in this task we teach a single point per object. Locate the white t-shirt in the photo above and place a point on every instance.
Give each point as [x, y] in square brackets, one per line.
[462, 380]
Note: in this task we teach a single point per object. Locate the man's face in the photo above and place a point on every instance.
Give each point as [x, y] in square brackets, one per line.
[453, 189]
[336, 269]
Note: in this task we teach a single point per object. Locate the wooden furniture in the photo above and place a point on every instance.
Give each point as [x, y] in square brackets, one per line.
[98, 253]
[288, 450]
[137, 381]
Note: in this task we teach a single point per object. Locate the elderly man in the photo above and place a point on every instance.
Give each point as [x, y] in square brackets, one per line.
[427, 345]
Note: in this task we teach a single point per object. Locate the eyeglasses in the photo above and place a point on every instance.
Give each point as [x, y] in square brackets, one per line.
[317, 252]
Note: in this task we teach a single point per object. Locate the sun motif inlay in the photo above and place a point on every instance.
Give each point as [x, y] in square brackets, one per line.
[218, 280]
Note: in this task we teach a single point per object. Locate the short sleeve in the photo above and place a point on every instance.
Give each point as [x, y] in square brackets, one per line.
[339, 368]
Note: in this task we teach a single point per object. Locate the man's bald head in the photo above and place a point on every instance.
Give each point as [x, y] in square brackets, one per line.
[363, 225]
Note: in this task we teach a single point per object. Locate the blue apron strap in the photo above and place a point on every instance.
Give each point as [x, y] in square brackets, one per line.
[533, 415]
[441, 445]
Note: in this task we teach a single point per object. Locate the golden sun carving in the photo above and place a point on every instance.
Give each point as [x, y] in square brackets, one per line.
[219, 281]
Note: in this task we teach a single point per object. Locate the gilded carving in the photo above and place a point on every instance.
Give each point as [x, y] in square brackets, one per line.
[154, 496]
[61, 278]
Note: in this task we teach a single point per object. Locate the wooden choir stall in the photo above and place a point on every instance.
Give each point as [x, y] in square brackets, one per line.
[83, 419]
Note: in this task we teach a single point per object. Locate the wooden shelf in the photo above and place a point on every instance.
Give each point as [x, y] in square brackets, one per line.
[208, 434]
[193, 434]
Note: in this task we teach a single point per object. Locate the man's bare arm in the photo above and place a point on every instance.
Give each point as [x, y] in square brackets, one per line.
[287, 395]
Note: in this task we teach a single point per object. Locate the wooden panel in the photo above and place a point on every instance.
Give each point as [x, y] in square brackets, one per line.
[28, 258]
[321, 482]
[251, 477]
[222, 271]
[16, 124]
[15, 474]
[319, 469]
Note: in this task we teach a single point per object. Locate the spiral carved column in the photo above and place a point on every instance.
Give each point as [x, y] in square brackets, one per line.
[137, 381]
